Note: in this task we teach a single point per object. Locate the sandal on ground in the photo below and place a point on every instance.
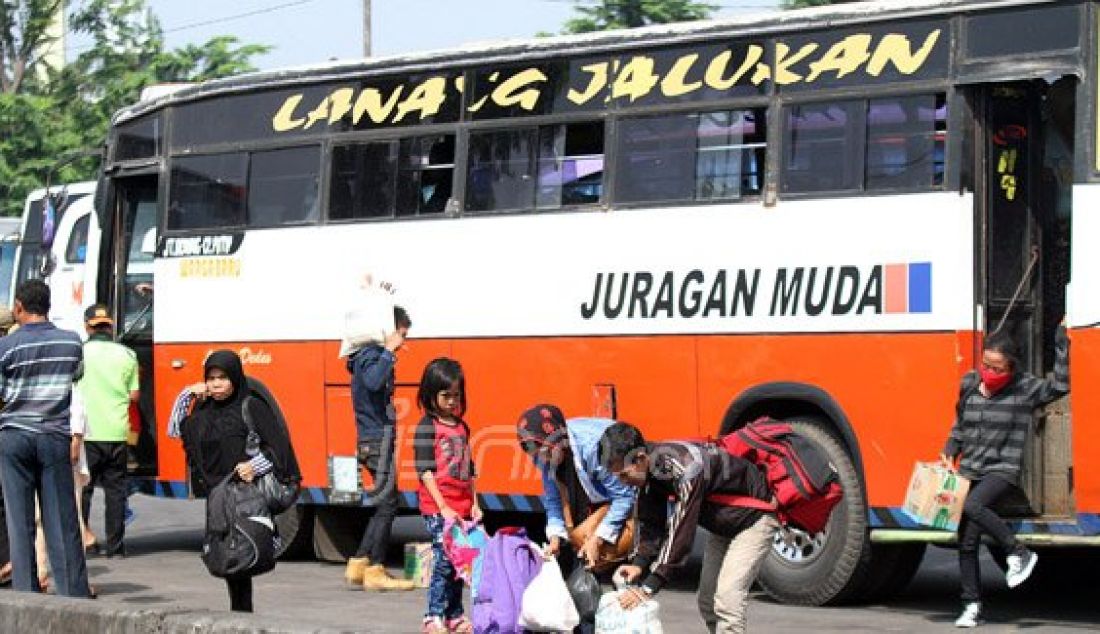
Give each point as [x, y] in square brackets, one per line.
[44, 584]
[433, 625]
[460, 625]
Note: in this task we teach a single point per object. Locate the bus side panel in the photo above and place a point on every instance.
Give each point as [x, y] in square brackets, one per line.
[340, 431]
[1084, 369]
[293, 371]
[653, 377]
[897, 390]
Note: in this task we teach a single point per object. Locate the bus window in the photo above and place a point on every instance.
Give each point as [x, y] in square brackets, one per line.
[409, 177]
[362, 181]
[283, 186]
[891, 143]
[425, 175]
[570, 165]
[697, 156]
[76, 249]
[568, 160]
[207, 192]
[501, 174]
[820, 151]
[905, 142]
[141, 138]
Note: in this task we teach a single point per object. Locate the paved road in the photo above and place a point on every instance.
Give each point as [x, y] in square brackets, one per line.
[164, 570]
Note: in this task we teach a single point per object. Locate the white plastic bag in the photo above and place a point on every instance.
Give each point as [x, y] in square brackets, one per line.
[547, 606]
[369, 318]
[612, 619]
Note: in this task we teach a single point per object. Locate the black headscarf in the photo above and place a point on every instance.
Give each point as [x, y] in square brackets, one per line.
[215, 434]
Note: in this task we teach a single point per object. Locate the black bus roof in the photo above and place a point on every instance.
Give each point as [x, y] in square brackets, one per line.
[758, 24]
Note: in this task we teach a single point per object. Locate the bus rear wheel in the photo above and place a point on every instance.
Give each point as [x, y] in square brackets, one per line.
[295, 526]
[830, 567]
[337, 531]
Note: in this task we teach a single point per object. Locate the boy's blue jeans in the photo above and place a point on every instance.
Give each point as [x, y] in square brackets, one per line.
[445, 588]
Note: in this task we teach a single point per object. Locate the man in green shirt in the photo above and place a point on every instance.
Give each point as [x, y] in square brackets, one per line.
[109, 385]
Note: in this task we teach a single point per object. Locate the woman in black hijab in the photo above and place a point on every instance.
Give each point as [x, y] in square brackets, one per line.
[214, 438]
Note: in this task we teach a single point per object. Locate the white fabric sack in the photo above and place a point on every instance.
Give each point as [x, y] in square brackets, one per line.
[612, 619]
[547, 605]
[78, 424]
[369, 319]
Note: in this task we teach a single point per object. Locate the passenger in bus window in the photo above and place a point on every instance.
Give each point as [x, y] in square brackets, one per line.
[995, 413]
[675, 482]
[372, 387]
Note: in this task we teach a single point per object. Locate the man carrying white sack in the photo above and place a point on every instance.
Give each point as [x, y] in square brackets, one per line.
[370, 345]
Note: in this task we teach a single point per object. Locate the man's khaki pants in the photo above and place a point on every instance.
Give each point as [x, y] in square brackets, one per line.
[729, 568]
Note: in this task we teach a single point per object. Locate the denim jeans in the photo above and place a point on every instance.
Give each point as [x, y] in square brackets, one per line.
[39, 463]
[445, 588]
[379, 461]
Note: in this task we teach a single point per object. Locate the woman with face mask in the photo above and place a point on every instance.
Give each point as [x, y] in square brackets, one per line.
[214, 439]
[995, 415]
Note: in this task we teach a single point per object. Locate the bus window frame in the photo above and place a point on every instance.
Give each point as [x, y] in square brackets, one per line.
[906, 90]
[390, 135]
[611, 138]
[963, 30]
[166, 184]
[534, 123]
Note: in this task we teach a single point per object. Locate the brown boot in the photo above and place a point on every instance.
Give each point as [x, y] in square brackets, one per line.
[353, 574]
[376, 578]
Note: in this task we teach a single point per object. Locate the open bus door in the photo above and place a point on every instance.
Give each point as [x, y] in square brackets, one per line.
[128, 283]
[1024, 146]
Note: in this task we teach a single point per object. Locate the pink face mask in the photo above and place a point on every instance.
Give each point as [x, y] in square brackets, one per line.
[995, 381]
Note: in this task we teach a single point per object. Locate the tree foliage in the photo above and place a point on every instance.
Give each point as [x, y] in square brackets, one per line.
[624, 14]
[799, 4]
[47, 113]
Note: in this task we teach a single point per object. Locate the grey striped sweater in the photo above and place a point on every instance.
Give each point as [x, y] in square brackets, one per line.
[991, 435]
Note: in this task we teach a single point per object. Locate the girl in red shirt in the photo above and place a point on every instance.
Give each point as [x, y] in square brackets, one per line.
[446, 471]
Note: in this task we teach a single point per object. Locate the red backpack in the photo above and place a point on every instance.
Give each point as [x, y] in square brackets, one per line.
[805, 484]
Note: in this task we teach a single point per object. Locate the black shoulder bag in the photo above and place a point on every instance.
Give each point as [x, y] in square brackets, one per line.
[279, 495]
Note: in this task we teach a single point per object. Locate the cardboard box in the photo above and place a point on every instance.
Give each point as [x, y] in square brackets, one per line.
[936, 495]
[418, 563]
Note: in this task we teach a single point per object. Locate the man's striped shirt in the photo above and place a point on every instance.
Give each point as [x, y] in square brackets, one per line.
[37, 365]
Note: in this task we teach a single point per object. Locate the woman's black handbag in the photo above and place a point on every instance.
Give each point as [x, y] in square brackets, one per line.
[279, 495]
[240, 535]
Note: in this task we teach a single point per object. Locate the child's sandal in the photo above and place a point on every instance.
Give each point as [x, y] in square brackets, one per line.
[460, 625]
[433, 625]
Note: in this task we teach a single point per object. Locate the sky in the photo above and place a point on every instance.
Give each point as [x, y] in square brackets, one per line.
[311, 31]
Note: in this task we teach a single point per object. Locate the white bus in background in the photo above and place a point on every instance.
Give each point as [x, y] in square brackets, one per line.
[9, 245]
[54, 246]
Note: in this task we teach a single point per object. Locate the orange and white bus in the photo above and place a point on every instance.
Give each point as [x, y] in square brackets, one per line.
[811, 214]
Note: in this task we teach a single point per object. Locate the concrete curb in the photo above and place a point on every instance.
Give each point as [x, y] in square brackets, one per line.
[27, 612]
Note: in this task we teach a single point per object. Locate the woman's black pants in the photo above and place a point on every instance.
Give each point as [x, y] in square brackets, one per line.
[240, 594]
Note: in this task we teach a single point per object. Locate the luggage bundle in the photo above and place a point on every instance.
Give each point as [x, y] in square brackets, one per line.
[805, 484]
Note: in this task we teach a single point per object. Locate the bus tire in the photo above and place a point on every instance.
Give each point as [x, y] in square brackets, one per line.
[337, 531]
[295, 526]
[830, 567]
[893, 566]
